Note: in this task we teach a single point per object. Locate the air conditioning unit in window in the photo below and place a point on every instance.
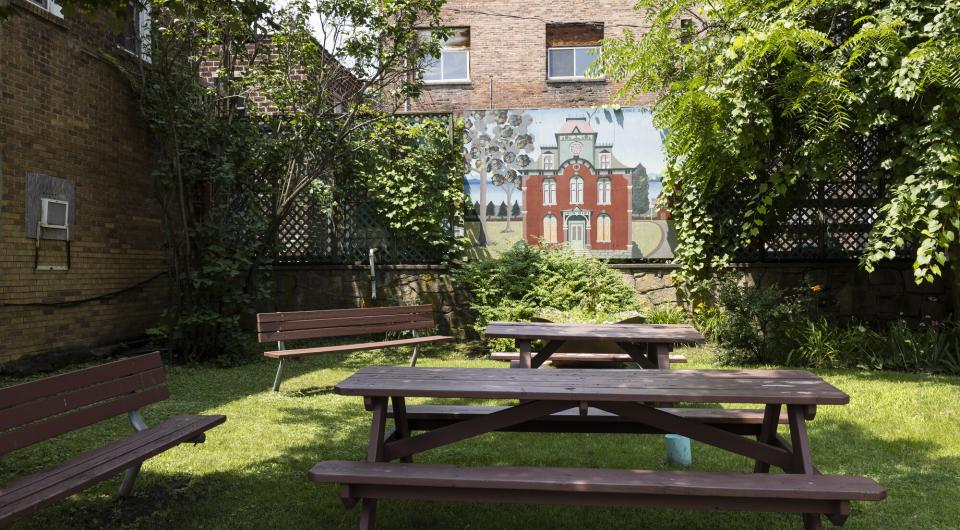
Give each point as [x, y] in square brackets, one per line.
[54, 214]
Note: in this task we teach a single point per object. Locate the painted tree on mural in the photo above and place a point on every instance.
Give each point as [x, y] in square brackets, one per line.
[498, 146]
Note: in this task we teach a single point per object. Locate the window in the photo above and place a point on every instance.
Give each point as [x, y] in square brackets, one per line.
[603, 228]
[49, 5]
[135, 37]
[603, 190]
[570, 63]
[576, 190]
[549, 192]
[604, 160]
[547, 161]
[550, 228]
[453, 65]
[572, 48]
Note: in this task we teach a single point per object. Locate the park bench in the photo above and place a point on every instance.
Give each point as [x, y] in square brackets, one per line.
[39, 410]
[292, 325]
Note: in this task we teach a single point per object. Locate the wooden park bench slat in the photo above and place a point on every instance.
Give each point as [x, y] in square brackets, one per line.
[328, 323]
[739, 421]
[829, 495]
[581, 357]
[360, 346]
[572, 479]
[39, 410]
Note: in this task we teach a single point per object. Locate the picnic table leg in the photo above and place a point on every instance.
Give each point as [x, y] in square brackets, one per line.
[401, 423]
[802, 460]
[378, 426]
[661, 352]
[524, 346]
[768, 433]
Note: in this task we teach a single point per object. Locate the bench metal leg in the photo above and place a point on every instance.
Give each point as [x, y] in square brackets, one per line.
[130, 475]
[413, 360]
[276, 380]
[368, 509]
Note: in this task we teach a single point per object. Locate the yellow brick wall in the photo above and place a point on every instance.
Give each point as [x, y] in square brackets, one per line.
[68, 113]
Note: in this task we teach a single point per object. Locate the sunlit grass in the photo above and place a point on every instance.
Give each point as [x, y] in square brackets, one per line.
[900, 429]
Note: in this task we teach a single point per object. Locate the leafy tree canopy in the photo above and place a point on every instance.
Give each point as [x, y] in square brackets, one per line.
[761, 98]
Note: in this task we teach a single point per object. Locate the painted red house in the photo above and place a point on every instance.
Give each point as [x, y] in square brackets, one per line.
[579, 194]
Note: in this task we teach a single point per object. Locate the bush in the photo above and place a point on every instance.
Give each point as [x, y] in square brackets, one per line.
[528, 281]
[772, 325]
[756, 322]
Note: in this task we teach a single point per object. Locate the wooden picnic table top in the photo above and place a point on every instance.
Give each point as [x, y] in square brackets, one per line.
[657, 333]
[790, 387]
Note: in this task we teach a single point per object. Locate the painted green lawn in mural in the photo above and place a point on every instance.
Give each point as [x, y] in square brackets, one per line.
[251, 472]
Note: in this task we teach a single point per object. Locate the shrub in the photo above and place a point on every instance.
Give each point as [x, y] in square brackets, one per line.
[528, 281]
[756, 322]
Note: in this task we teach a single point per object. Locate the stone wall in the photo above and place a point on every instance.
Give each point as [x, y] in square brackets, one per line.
[887, 294]
[67, 111]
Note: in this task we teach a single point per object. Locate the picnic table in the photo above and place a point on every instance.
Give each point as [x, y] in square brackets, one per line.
[631, 338]
[548, 399]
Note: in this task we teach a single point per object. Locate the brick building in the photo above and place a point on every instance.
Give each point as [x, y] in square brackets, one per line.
[75, 167]
[513, 54]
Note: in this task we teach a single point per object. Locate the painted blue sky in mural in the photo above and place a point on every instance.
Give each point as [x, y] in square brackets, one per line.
[629, 130]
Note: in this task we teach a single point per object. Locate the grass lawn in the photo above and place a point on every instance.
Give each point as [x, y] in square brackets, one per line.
[901, 429]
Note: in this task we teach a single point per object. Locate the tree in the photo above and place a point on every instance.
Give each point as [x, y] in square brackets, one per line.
[491, 209]
[497, 148]
[503, 211]
[516, 211]
[288, 110]
[771, 97]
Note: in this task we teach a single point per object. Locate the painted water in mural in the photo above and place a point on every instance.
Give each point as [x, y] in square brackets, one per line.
[588, 179]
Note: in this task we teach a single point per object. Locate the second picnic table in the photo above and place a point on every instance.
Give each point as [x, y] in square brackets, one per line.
[629, 337]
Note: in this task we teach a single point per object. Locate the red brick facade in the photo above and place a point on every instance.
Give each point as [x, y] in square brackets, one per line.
[67, 112]
[508, 64]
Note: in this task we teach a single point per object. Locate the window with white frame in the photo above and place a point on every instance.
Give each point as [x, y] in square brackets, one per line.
[604, 160]
[603, 228]
[550, 228]
[576, 190]
[453, 64]
[51, 6]
[570, 63]
[135, 37]
[549, 192]
[603, 190]
[572, 49]
[547, 161]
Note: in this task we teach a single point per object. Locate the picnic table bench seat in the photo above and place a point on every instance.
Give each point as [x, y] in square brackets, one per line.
[738, 421]
[329, 323]
[829, 495]
[563, 357]
[39, 410]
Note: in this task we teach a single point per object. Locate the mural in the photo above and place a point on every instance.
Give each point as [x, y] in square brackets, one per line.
[588, 179]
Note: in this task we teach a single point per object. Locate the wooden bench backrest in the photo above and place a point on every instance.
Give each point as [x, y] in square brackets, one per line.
[45, 408]
[342, 322]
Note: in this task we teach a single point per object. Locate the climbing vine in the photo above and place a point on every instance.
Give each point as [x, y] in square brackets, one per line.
[761, 99]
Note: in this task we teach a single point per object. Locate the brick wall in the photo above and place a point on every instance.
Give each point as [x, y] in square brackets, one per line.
[67, 112]
[508, 61]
